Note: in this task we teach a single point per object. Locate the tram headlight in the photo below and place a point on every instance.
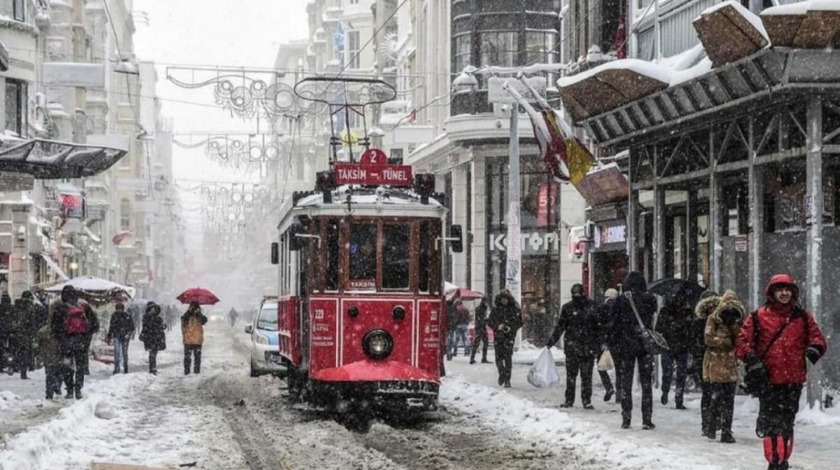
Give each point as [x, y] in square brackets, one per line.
[378, 344]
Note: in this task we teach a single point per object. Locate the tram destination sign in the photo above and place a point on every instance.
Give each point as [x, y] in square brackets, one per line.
[359, 173]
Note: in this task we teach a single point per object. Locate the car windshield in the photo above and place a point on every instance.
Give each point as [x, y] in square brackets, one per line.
[268, 318]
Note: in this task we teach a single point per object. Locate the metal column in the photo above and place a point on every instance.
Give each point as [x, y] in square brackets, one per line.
[715, 219]
[632, 219]
[658, 221]
[814, 183]
[756, 198]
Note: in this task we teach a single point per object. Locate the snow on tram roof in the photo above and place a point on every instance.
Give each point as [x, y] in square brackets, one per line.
[384, 195]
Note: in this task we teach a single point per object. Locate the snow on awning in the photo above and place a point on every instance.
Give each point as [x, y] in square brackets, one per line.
[45, 159]
[812, 24]
[611, 85]
[729, 32]
[92, 235]
[55, 267]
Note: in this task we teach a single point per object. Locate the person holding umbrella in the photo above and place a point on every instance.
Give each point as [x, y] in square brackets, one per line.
[192, 330]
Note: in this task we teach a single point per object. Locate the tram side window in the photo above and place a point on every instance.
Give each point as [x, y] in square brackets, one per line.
[396, 256]
[425, 255]
[332, 255]
[363, 256]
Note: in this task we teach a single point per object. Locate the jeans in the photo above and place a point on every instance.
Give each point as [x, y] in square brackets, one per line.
[480, 336]
[121, 354]
[503, 344]
[53, 374]
[681, 358]
[460, 333]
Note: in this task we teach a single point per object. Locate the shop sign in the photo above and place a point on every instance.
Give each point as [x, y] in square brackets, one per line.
[356, 173]
[531, 243]
[546, 204]
[610, 235]
[72, 206]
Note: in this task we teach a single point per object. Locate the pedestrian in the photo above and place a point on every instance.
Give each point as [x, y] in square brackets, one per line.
[782, 335]
[623, 338]
[578, 324]
[120, 332]
[6, 316]
[604, 313]
[232, 317]
[136, 313]
[48, 348]
[153, 335]
[709, 301]
[22, 335]
[720, 368]
[480, 331]
[192, 330]
[74, 323]
[674, 323]
[505, 320]
[451, 323]
[462, 325]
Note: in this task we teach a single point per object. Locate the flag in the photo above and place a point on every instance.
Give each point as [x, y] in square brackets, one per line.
[412, 116]
[620, 41]
[120, 236]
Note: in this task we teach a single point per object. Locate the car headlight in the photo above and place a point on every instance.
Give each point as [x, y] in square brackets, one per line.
[262, 339]
[378, 344]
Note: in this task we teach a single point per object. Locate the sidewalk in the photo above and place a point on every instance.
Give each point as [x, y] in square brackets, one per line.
[675, 442]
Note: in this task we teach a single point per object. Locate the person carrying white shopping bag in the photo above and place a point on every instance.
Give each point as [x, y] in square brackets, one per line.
[543, 373]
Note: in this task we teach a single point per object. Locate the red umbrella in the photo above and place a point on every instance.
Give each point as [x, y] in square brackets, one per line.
[468, 294]
[198, 294]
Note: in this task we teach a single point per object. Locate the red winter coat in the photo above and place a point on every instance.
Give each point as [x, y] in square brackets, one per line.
[785, 360]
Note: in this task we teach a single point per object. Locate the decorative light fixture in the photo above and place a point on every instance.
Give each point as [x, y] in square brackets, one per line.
[465, 82]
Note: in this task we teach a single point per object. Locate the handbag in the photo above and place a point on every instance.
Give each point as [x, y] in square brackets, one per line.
[653, 342]
[756, 376]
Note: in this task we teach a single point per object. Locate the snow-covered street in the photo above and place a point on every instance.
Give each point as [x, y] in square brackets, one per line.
[223, 419]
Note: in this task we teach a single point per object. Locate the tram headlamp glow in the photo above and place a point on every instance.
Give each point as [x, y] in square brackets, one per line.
[377, 344]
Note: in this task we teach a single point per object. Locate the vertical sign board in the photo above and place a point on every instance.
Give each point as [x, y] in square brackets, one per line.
[323, 335]
[428, 348]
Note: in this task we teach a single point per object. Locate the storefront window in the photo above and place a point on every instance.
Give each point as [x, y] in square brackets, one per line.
[786, 201]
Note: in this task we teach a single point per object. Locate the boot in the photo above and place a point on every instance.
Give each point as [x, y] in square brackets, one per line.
[647, 424]
[608, 396]
[726, 437]
[625, 423]
[484, 360]
[567, 405]
[664, 399]
[79, 394]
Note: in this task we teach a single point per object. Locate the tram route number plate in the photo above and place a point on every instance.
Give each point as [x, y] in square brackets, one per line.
[357, 173]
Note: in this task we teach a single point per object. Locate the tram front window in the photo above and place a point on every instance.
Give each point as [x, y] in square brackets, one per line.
[395, 256]
[363, 256]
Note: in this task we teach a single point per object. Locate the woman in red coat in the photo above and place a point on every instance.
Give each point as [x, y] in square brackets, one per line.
[783, 337]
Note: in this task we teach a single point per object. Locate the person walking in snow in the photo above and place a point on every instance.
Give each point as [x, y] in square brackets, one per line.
[192, 331]
[506, 320]
[675, 320]
[709, 301]
[120, 332]
[783, 335]
[578, 324]
[6, 317]
[24, 327]
[51, 356]
[153, 335]
[480, 331]
[720, 368]
[604, 313]
[74, 322]
[623, 337]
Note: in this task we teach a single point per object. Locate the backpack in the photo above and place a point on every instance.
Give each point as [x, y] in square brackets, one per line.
[75, 321]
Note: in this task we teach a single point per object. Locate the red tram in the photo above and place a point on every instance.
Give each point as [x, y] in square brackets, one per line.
[361, 302]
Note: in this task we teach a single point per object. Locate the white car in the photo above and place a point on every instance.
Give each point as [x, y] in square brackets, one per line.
[265, 349]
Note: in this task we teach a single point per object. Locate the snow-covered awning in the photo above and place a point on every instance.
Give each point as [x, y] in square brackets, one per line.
[812, 24]
[45, 159]
[55, 267]
[730, 32]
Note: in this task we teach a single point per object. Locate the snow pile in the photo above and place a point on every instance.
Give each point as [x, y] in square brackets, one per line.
[7, 400]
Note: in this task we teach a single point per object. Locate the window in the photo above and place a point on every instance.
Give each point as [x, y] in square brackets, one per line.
[19, 10]
[353, 49]
[16, 97]
[332, 255]
[396, 256]
[539, 46]
[363, 256]
[268, 317]
[426, 248]
[463, 46]
[125, 214]
[498, 48]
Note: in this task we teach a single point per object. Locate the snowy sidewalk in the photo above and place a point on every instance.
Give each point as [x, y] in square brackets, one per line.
[675, 443]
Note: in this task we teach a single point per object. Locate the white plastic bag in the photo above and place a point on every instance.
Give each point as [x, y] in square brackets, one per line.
[606, 362]
[543, 373]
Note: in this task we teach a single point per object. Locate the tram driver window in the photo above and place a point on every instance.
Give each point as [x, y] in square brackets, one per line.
[363, 256]
[395, 256]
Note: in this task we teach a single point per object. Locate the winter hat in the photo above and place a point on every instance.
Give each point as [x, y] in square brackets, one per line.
[610, 293]
[26, 295]
[577, 290]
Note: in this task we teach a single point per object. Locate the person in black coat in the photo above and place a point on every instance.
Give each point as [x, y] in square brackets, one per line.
[153, 334]
[675, 325]
[73, 334]
[480, 330]
[6, 318]
[579, 321]
[506, 320]
[623, 337]
[604, 312]
[120, 331]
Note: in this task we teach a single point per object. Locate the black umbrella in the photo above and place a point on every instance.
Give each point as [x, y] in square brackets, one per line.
[673, 288]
